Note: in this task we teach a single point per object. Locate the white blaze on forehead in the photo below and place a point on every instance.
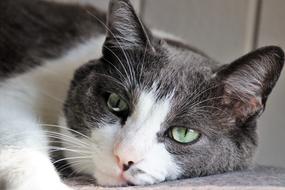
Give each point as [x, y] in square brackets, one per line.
[147, 109]
[141, 128]
[138, 141]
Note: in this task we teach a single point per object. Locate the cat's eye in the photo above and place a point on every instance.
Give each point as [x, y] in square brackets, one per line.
[184, 135]
[116, 104]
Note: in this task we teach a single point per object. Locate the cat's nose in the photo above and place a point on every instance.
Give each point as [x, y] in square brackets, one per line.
[126, 156]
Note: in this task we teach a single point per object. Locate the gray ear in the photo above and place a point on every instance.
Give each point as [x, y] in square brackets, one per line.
[125, 29]
[248, 81]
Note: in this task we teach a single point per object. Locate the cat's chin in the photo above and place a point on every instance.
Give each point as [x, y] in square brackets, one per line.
[125, 180]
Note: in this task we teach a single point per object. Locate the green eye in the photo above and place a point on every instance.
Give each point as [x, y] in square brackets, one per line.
[116, 103]
[184, 135]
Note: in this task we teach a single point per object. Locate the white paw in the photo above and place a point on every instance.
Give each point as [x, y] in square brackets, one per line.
[141, 178]
[28, 170]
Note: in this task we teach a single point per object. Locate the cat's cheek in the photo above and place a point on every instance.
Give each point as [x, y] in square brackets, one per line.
[106, 170]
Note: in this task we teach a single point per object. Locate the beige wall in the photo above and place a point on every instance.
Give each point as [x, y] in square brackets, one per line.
[271, 125]
[226, 29]
[218, 30]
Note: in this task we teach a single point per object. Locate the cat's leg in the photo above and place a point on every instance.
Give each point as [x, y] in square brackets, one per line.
[24, 159]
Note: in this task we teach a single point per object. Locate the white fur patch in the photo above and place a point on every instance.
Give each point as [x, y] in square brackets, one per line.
[142, 126]
[26, 102]
[27, 169]
[138, 143]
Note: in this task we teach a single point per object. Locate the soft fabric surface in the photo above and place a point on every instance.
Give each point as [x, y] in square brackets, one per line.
[259, 177]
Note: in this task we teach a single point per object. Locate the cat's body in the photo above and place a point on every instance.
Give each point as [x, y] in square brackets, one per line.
[166, 84]
[37, 64]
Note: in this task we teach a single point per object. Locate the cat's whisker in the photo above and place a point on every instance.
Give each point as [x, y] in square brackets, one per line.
[62, 144]
[78, 171]
[192, 101]
[214, 107]
[202, 91]
[21, 133]
[203, 101]
[201, 113]
[123, 66]
[52, 151]
[70, 164]
[66, 139]
[142, 65]
[114, 80]
[55, 135]
[71, 158]
[131, 69]
[56, 148]
[197, 89]
[120, 73]
[116, 38]
[214, 98]
[59, 140]
[134, 78]
[68, 129]
[128, 61]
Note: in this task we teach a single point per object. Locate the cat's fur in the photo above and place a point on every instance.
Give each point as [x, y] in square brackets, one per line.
[165, 82]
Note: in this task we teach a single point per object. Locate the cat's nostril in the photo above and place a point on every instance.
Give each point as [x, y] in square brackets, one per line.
[130, 163]
[127, 166]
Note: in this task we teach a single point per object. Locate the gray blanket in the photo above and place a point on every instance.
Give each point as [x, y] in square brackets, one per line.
[259, 177]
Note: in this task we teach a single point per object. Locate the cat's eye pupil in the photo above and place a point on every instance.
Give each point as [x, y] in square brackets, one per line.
[116, 103]
[183, 135]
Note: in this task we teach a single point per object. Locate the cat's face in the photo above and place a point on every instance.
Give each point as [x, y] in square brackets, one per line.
[152, 110]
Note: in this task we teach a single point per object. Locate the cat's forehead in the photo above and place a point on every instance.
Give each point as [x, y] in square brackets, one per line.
[181, 71]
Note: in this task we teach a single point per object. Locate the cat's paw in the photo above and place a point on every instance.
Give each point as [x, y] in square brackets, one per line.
[138, 177]
[25, 169]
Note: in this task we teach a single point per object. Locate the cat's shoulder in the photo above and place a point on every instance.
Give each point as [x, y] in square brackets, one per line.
[33, 30]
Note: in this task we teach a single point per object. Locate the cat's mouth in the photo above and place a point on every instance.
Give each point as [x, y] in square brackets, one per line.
[136, 176]
[131, 177]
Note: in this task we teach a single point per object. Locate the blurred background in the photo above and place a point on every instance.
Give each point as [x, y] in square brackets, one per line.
[225, 30]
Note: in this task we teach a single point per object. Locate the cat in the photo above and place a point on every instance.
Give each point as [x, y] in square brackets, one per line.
[119, 102]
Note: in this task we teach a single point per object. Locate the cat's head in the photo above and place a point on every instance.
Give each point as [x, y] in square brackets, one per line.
[154, 109]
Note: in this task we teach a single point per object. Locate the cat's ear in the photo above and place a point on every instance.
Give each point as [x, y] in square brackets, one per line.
[125, 29]
[247, 82]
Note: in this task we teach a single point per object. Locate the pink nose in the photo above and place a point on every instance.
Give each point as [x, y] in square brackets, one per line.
[126, 156]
